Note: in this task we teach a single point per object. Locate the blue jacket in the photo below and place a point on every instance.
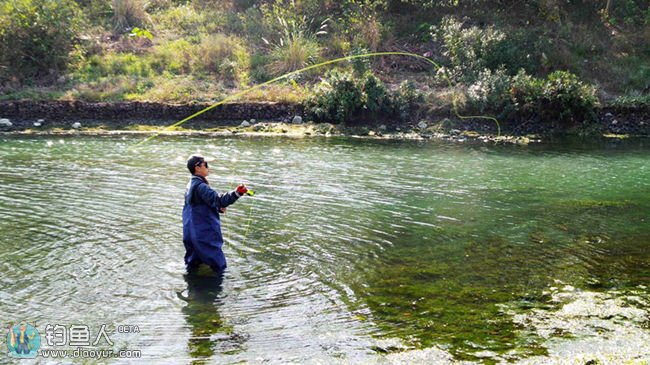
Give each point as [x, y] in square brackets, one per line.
[202, 226]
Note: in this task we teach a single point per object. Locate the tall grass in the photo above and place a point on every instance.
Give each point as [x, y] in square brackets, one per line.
[128, 14]
[294, 54]
[297, 46]
[187, 21]
[223, 56]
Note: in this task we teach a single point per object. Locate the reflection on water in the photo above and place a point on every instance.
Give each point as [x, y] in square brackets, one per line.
[350, 252]
[202, 313]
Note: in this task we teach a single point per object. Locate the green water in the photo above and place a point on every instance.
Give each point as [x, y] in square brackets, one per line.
[351, 251]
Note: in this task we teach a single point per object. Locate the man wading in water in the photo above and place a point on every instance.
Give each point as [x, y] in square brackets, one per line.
[201, 223]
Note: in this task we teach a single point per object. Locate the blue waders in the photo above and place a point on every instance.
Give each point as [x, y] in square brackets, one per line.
[202, 226]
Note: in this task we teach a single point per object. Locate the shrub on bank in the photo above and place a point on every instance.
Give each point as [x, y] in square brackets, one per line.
[341, 97]
[470, 50]
[567, 99]
[338, 98]
[405, 101]
[561, 98]
[36, 37]
[490, 90]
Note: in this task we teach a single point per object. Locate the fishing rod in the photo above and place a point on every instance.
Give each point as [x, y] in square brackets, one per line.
[318, 65]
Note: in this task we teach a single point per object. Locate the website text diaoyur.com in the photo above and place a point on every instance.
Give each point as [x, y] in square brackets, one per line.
[80, 352]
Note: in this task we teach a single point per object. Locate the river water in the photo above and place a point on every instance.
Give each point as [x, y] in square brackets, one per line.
[351, 251]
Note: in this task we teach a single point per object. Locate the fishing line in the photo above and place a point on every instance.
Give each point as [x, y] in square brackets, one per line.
[288, 75]
[249, 192]
[330, 62]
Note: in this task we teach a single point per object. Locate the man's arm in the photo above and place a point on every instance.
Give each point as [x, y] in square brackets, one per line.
[214, 199]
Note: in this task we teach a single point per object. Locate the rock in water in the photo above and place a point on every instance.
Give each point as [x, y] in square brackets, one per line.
[245, 124]
[422, 125]
[37, 124]
[76, 125]
[5, 122]
[296, 120]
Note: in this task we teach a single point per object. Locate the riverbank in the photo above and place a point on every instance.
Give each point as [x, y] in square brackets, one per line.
[271, 119]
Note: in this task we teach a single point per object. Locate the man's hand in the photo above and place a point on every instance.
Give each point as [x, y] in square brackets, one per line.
[241, 189]
[222, 210]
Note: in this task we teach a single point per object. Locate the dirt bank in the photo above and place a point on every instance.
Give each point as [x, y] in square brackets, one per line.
[62, 115]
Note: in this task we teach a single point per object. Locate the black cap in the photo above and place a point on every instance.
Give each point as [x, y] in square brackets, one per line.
[193, 162]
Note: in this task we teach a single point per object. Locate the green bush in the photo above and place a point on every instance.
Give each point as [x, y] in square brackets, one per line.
[337, 99]
[471, 50]
[490, 91]
[567, 99]
[341, 97]
[259, 72]
[360, 65]
[561, 98]
[377, 97]
[36, 37]
[405, 100]
[467, 49]
[526, 91]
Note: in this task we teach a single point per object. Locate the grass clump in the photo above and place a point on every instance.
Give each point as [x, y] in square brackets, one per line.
[128, 14]
[632, 100]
